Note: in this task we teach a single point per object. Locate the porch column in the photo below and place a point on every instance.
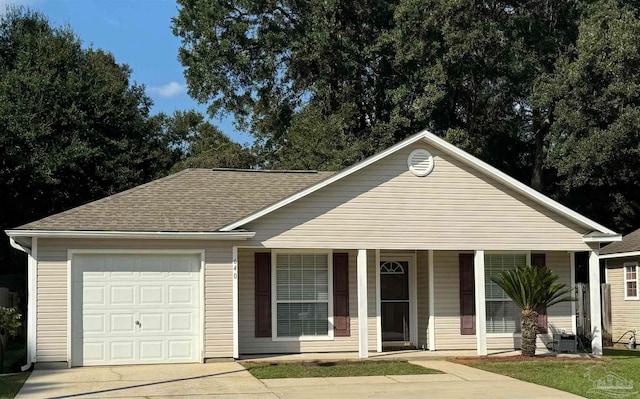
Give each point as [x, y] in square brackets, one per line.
[481, 312]
[363, 331]
[432, 305]
[594, 302]
[234, 307]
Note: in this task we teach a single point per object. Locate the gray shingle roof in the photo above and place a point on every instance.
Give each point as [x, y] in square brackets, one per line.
[629, 243]
[193, 200]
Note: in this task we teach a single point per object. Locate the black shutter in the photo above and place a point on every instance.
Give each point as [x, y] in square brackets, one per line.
[467, 296]
[341, 319]
[263, 294]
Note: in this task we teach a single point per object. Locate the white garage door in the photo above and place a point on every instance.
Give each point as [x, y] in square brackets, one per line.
[135, 309]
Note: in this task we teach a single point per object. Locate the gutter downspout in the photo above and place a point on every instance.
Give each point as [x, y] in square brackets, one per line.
[31, 297]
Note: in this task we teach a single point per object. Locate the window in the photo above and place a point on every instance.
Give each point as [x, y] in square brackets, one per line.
[302, 294]
[631, 281]
[502, 315]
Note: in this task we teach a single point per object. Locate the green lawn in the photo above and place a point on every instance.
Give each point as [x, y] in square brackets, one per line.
[334, 369]
[571, 375]
[11, 384]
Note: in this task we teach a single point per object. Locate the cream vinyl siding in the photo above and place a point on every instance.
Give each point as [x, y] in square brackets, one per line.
[386, 206]
[558, 316]
[51, 330]
[446, 270]
[249, 344]
[625, 314]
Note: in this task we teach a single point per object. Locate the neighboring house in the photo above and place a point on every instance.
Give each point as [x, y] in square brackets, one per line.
[397, 250]
[623, 275]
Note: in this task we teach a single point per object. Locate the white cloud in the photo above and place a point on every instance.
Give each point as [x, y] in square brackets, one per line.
[171, 89]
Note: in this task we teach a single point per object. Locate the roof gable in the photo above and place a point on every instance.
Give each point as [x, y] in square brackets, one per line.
[451, 150]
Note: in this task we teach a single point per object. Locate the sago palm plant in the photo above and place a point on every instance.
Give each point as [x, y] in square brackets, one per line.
[532, 289]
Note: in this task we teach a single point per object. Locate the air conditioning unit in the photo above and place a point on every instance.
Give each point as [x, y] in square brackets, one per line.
[565, 343]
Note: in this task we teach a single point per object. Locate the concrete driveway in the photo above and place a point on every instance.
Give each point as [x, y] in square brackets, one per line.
[230, 380]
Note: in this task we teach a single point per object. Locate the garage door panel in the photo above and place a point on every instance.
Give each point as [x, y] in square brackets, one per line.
[136, 309]
[180, 322]
[123, 351]
[152, 351]
[122, 294]
[181, 294]
[94, 352]
[94, 324]
[152, 294]
[93, 295]
[180, 349]
[152, 323]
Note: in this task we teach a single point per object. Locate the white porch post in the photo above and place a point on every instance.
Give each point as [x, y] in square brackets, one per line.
[432, 305]
[378, 305]
[594, 302]
[234, 295]
[481, 313]
[363, 331]
[32, 276]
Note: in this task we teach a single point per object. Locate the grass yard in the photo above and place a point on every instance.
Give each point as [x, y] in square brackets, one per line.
[334, 369]
[11, 384]
[571, 375]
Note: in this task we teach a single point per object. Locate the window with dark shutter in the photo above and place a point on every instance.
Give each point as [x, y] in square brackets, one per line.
[540, 260]
[341, 320]
[467, 296]
[263, 294]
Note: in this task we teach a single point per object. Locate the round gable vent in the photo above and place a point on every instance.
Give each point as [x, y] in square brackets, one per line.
[420, 162]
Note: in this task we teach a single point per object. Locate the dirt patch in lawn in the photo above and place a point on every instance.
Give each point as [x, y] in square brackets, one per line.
[325, 368]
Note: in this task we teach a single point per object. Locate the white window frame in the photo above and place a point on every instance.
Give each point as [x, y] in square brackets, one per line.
[528, 262]
[274, 295]
[637, 281]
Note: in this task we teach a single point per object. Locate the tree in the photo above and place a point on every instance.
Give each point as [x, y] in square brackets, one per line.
[532, 289]
[73, 127]
[197, 143]
[9, 326]
[322, 84]
[595, 139]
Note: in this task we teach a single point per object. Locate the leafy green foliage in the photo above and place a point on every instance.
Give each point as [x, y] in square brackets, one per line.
[544, 90]
[73, 127]
[532, 289]
[10, 321]
[196, 143]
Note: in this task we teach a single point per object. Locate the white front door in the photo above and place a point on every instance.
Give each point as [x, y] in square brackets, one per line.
[135, 309]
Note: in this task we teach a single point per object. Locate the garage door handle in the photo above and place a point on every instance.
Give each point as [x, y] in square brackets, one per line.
[138, 323]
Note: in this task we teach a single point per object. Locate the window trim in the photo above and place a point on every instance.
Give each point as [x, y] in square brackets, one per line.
[527, 255]
[625, 281]
[274, 295]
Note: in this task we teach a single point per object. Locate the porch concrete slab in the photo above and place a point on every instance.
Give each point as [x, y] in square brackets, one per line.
[144, 381]
[464, 372]
[395, 355]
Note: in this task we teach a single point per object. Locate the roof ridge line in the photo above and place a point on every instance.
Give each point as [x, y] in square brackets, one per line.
[112, 196]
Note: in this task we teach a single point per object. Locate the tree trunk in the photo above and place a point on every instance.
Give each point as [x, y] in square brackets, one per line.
[537, 177]
[528, 327]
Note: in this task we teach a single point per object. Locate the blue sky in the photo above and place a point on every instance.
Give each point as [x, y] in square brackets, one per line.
[138, 33]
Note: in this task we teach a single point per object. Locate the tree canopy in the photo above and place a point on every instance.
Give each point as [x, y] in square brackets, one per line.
[74, 127]
[544, 90]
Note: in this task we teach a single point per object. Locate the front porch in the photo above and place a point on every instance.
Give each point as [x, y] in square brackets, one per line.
[441, 302]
